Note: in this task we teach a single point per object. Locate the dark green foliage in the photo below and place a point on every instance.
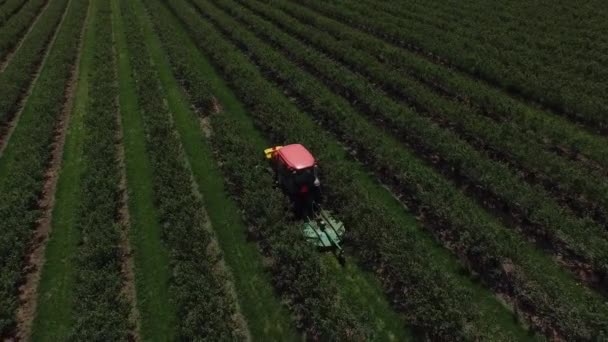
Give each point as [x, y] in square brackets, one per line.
[584, 189]
[535, 281]
[101, 310]
[25, 160]
[295, 264]
[354, 48]
[8, 9]
[205, 308]
[298, 274]
[372, 228]
[535, 76]
[14, 80]
[446, 150]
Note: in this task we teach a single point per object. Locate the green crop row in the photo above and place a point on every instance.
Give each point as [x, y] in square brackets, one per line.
[296, 268]
[447, 149]
[199, 284]
[503, 40]
[553, 19]
[193, 80]
[585, 190]
[8, 9]
[546, 128]
[297, 272]
[535, 280]
[563, 49]
[26, 158]
[19, 73]
[580, 105]
[433, 301]
[100, 308]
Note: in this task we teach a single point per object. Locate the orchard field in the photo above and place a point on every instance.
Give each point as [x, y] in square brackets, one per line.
[464, 145]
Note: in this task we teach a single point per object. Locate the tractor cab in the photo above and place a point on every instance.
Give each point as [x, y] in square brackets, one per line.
[297, 174]
[296, 170]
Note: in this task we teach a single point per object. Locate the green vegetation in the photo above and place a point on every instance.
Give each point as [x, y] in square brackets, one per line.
[25, 160]
[462, 144]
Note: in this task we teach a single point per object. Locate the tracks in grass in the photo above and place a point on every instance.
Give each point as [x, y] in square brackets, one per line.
[124, 219]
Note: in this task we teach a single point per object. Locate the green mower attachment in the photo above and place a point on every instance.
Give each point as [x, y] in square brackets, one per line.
[325, 232]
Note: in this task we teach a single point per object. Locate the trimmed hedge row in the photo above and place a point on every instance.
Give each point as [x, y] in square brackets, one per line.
[26, 159]
[20, 72]
[534, 280]
[100, 308]
[199, 285]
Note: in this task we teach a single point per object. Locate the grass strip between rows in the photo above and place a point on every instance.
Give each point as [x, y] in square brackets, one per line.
[15, 27]
[55, 290]
[267, 320]
[158, 314]
[24, 64]
[487, 244]
[562, 228]
[431, 299]
[545, 127]
[550, 88]
[583, 189]
[351, 282]
[199, 285]
[100, 308]
[24, 162]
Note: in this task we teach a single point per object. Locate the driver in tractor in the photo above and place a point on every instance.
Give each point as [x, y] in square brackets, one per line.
[297, 174]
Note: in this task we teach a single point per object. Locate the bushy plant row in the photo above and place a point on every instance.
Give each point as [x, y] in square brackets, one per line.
[432, 299]
[297, 272]
[26, 159]
[100, 307]
[552, 89]
[14, 80]
[446, 148]
[525, 46]
[193, 80]
[8, 9]
[479, 237]
[199, 285]
[547, 128]
[586, 191]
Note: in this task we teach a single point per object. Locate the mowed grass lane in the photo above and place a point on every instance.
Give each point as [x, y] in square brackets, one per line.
[151, 255]
[267, 319]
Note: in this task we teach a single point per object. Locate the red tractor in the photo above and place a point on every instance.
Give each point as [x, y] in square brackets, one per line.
[297, 174]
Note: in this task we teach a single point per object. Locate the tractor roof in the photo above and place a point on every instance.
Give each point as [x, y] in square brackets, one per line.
[296, 156]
